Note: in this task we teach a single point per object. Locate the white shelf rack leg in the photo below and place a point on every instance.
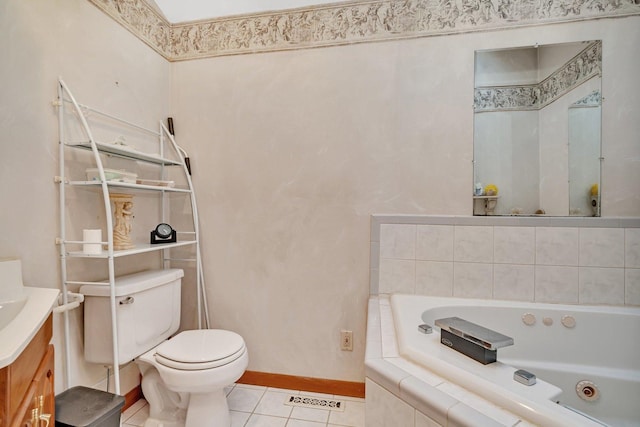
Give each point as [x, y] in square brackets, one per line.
[64, 90]
[200, 288]
[63, 249]
[80, 113]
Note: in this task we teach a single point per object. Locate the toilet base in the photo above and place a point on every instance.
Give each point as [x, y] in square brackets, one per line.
[166, 408]
[208, 410]
[204, 410]
[188, 398]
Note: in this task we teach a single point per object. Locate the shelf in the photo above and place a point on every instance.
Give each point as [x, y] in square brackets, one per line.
[486, 197]
[161, 150]
[130, 185]
[125, 152]
[139, 249]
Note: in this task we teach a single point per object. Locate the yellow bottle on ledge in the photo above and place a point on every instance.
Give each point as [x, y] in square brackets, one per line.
[491, 190]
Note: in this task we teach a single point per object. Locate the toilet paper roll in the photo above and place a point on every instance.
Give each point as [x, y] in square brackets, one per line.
[91, 236]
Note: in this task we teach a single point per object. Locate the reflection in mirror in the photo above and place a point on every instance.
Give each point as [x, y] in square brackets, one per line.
[537, 130]
[584, 156]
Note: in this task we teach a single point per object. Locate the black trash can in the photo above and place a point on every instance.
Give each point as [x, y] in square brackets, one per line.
[87, 407]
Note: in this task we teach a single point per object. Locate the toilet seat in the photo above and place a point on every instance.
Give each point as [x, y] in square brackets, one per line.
[200, 349]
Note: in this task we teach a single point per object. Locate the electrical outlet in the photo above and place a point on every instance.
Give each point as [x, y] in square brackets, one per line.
[346, 340]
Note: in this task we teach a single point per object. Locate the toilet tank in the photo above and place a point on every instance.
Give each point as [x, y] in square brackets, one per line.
[147, 313]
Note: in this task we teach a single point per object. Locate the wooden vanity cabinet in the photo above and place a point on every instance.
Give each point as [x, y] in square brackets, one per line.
[26, 386]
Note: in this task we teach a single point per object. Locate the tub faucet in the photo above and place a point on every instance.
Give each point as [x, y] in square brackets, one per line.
[472, 340]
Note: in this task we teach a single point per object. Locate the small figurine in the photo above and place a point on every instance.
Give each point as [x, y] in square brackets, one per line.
[122, 226]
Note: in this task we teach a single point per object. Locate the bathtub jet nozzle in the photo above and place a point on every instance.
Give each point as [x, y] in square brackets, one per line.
[472, 340]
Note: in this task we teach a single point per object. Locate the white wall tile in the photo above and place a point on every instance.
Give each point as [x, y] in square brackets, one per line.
[514, 245]
[423, 421]
[434, 278]
[417, 372]
[481, 405]
[398, 241]
[513, 282]
[557, 246]
[427, 399]
[388, 333]
[632, 286]
[632, 248]
[462, 415]
[556, 284]
[473, 244]
[397, 275]
[601, 285]
[602, 247]
[512, 262]
[472, 280]
[383, 409]
[434, 242]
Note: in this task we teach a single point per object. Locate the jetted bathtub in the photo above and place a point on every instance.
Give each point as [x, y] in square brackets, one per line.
[586, 358]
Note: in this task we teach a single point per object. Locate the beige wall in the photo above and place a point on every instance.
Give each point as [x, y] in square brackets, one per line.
[293, 151]
[291, 154]
[39, 41]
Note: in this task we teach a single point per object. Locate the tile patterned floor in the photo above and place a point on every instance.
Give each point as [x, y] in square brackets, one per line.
[256, 406]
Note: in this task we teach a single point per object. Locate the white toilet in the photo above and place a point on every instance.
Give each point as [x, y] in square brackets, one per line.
[183, 378]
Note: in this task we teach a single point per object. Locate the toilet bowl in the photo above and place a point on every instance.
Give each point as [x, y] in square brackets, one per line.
[184, 378]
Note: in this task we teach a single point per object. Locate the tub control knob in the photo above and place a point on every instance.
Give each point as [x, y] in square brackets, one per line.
[524, 377]
[425, 329]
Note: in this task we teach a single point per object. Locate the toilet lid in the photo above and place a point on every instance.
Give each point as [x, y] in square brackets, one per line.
[200, 349]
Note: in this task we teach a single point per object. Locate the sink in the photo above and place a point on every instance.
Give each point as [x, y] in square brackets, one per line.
[10, 307]
[28, 315]
[23, 310]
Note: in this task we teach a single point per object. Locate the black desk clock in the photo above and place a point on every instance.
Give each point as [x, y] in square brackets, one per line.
[163, 233]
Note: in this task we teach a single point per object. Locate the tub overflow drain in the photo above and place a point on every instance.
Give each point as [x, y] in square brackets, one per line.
[587, 390]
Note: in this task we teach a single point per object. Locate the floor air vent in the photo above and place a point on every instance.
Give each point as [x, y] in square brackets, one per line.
[315, 402]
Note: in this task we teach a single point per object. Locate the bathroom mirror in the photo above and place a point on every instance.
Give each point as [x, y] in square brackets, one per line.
[537, 118]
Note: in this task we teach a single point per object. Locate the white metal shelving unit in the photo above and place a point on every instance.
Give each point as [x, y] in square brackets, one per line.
[70, 109]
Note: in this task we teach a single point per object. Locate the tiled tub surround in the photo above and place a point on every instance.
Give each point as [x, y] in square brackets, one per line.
[557, 260]
[400, 393]
[551, 260]
[412, 380]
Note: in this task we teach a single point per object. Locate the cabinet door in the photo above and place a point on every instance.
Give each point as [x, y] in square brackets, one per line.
[39, 405]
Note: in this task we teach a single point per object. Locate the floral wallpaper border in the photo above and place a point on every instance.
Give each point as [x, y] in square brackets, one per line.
[594, 99]
[142, 20]
[346, 23]
[582, 67]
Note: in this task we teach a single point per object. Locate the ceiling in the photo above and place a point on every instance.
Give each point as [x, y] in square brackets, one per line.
[193, 10]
